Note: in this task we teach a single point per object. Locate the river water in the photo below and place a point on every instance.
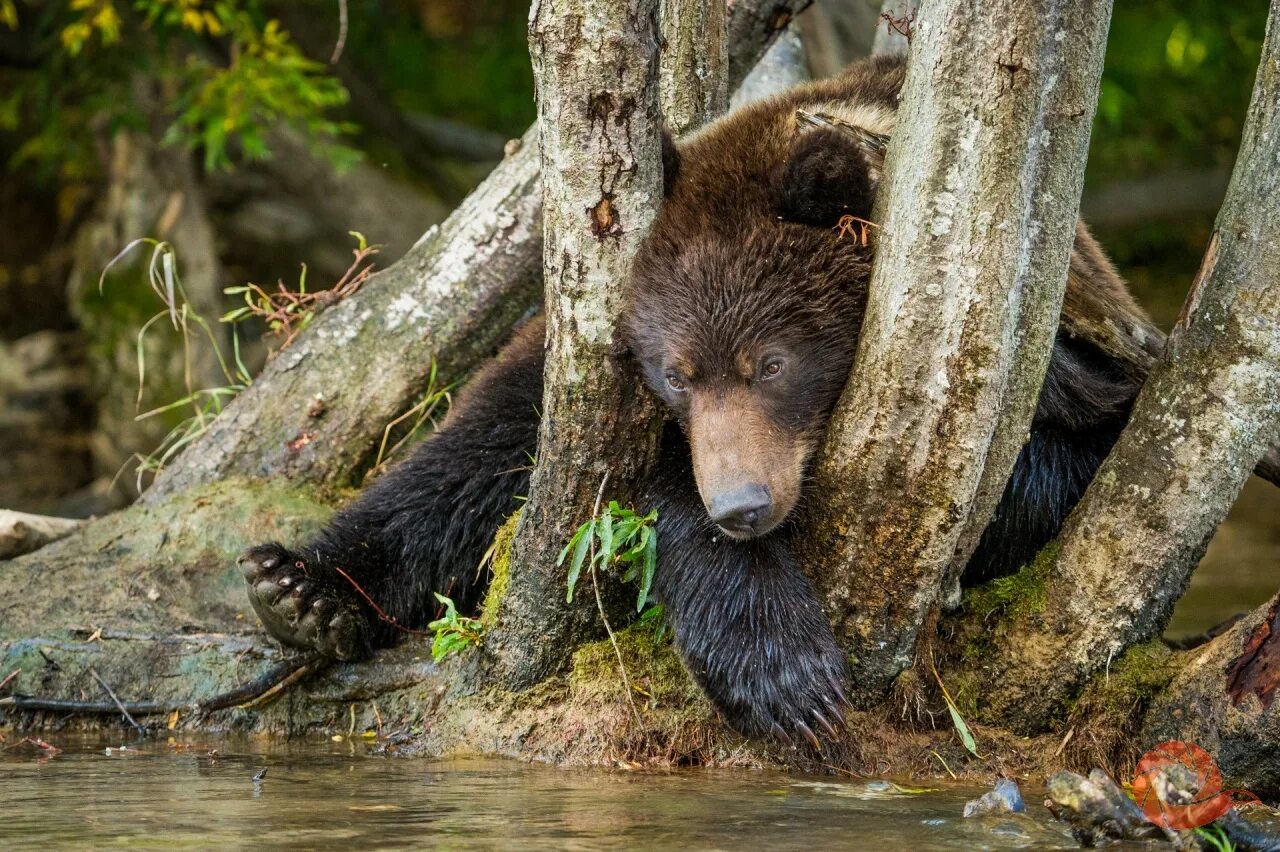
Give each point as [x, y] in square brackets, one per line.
[320, 793]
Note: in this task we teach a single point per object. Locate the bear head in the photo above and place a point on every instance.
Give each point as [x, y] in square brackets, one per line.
[746, 298]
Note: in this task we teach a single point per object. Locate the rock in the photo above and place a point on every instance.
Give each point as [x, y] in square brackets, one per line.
[1004, 798]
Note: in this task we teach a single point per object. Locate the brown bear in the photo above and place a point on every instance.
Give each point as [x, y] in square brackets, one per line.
[743, 311]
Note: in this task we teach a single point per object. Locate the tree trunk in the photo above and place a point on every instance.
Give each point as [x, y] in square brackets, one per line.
[1205, 416]
[448, 303]
[694, 82]
[984, 177]
[596, 70]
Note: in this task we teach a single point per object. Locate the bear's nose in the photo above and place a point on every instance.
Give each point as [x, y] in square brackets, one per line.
[741, 509]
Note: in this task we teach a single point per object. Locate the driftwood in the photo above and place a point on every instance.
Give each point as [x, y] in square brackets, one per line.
[22, 533]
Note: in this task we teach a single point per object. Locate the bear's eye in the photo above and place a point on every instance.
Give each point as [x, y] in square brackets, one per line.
[771, 368]
[675, 383]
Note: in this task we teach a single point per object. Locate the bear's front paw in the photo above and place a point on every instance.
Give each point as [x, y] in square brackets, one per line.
[303, 610]
[784, 685]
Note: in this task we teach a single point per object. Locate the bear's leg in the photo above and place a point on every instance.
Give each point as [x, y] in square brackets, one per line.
[421, 528]
[745, 617]
[1083, 406]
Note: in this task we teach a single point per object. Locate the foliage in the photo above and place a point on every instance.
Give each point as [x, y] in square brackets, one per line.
[962, 728]
[1176, 84]
[453, 632]
[622, 537]
[215, 75]
[287, 313]
[421, 63]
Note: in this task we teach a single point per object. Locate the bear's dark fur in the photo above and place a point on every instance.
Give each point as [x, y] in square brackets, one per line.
[743, 313]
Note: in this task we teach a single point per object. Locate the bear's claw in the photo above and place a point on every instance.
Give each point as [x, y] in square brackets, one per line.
[302, 610]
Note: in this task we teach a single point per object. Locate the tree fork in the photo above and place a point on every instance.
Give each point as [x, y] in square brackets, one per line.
[1206, 415]
[984, 178]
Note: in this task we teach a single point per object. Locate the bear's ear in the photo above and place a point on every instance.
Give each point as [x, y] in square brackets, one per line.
[670, 163]
[827, 176]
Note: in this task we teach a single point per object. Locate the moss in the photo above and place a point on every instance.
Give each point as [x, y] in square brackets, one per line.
[653, 667]
[500, 567]
[1018, 596]
[1134, 679]
[1108, 713]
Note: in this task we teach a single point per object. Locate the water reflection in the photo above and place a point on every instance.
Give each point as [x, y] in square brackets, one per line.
[325, 794]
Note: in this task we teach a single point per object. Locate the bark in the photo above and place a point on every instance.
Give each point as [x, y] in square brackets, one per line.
[984, 178]
[1204, 418]
[694, 82]
[897, 19]
[595, 65]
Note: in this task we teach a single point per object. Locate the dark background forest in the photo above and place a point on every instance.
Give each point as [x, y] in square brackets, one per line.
[289, 128]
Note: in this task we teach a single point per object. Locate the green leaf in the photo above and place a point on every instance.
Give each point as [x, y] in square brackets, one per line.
[605, 556]
[585, 533]
[650, 539]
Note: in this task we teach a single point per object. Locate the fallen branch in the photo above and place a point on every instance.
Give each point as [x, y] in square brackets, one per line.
[272, 682]
[22, 533]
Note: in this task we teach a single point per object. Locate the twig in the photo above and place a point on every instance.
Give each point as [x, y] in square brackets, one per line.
[132, 721]
[595, 586]
[342, 33]
[239, 696]
[9, 678]
[389, 619]
[902, 25]
[272, 693]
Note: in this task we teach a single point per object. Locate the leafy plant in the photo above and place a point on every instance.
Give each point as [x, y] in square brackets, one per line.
[966, 736]
[216, 75]
[286, 312]
[622, 538]
[1214, 837]
[654, 618]
[453, 632]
